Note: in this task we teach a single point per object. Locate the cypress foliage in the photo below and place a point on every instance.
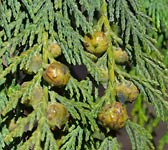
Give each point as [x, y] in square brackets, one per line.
[122, 45]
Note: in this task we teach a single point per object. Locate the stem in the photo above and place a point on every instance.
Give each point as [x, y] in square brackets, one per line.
[45, 61]
[45, 48]
[110, 53]
[45, 99]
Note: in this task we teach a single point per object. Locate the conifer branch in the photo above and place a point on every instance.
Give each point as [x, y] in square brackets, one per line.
[29, 28]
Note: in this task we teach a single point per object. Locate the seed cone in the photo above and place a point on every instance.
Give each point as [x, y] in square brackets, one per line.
[35, 65]
[120, 56]
[36, 96]
[128, 91]
[57, 74]
[97, 43]
[55, 50]
[113, 115]
[57, 115]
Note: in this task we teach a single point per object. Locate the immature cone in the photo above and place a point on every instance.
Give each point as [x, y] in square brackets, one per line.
[120, 56]
[57, 115]
[57, 74]
[54, 49]
[96, 44]
[35, 64]
[103, 74]
[113, 116]
[127, 91]
[36, 96]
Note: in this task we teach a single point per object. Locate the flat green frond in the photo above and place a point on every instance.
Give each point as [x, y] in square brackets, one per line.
[4, 100]
[140, 111]
[139, 137]
[97, 70]
[134, 28]
[66, 33]
[4, 132]
[26, 56]
[158, 12]
[110, 143]
[73, 140]
[33, 141]
[90, 7]
[70, 108]
[80, 19]
[81, 90]
[86, 115]
[150, 89]
[50, 142]
[20, 93]
[20, 128]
